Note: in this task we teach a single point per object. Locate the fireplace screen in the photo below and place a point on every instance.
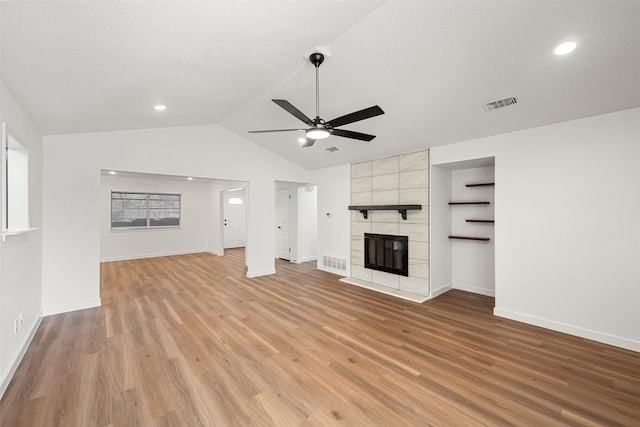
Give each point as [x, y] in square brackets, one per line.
[387, 253]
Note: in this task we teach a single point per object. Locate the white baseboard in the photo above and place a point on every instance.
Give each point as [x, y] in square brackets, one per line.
[81, 305]
[14, 366]
[306, 259]
[217, 253]
[440, 291]
[626, 343]
[474, 289]
[252, 274]
[153, 255]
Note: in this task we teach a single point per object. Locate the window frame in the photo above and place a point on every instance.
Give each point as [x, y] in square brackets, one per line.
[15, 206]
[148, 219]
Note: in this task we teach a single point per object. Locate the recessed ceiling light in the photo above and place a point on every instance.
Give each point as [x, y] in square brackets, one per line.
[565, 48]
[190, 178]
[160, 107]
[112, 172]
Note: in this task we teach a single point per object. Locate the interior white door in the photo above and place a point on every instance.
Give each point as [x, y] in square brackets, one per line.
[235, 220]
[284, 214]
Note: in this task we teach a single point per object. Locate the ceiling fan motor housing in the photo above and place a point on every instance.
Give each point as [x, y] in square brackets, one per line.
[316, 59]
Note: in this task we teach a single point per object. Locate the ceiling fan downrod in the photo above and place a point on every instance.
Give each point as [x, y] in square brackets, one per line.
[317, 59]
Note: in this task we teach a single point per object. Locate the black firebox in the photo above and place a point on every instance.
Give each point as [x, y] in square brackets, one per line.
[387, 253]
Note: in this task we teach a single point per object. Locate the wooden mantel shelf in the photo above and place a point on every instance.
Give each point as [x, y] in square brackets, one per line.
[402, 209]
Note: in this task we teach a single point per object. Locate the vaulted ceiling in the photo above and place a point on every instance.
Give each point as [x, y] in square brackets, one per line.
[101, 66]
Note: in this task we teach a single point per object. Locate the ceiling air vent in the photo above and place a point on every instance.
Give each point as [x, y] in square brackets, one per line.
[331, 149]
[500, 103]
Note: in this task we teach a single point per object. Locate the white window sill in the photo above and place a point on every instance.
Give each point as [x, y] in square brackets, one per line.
[17, 231]
[129, 229]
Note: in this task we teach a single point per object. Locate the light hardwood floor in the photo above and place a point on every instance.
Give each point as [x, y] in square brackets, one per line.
[188, 340]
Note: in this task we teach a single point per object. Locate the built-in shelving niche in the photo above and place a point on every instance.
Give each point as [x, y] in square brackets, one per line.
[462, 250]
[482, 221]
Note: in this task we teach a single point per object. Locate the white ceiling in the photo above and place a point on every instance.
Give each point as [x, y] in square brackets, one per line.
[99, 66]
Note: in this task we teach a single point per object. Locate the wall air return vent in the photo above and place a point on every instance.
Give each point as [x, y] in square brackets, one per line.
[334, 263]
[501, 103]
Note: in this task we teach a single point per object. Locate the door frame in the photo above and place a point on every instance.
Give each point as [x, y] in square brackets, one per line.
[223, 200]
[291, 223]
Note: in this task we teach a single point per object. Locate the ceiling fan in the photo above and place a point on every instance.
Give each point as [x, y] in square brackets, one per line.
[318, 128]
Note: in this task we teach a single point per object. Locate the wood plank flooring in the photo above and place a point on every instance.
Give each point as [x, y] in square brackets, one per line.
[189, 341]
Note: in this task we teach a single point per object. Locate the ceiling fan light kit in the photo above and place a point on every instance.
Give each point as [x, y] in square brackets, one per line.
[318, 133]
[319, 128]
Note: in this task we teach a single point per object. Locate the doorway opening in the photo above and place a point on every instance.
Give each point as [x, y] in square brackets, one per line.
[234, 207]
[296, 224]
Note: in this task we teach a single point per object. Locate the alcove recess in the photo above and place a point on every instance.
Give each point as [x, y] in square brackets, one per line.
[462, 227]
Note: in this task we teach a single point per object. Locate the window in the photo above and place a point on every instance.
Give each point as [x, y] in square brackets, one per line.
[144, 210]
[16, 183]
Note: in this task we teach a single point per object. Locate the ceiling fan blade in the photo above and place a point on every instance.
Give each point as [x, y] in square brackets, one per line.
[308, 143]
[355, 117]
[352, 134]
[274, 130]
[293, 110]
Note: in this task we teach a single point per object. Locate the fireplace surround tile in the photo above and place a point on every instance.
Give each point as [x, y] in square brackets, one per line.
[356, 216]
[402, 179]
[384, 216]
[418, 268]
[357, 257]
[361, 198]
[416, 232]
[387, 181]
[362, 169]
[384, 166]
[387, 197]
[414, 179]
[419, 196]
[418, 217]
[359, 228]
[419, 250]
[413, 161]
[384, 228]
[361, 185]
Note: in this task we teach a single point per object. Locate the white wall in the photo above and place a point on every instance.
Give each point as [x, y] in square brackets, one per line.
[440, 279]
[472, 262]
[72, 165]
[566, 232]
[21, 255]
[196, 218]
[307, 219]
[333, 214]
